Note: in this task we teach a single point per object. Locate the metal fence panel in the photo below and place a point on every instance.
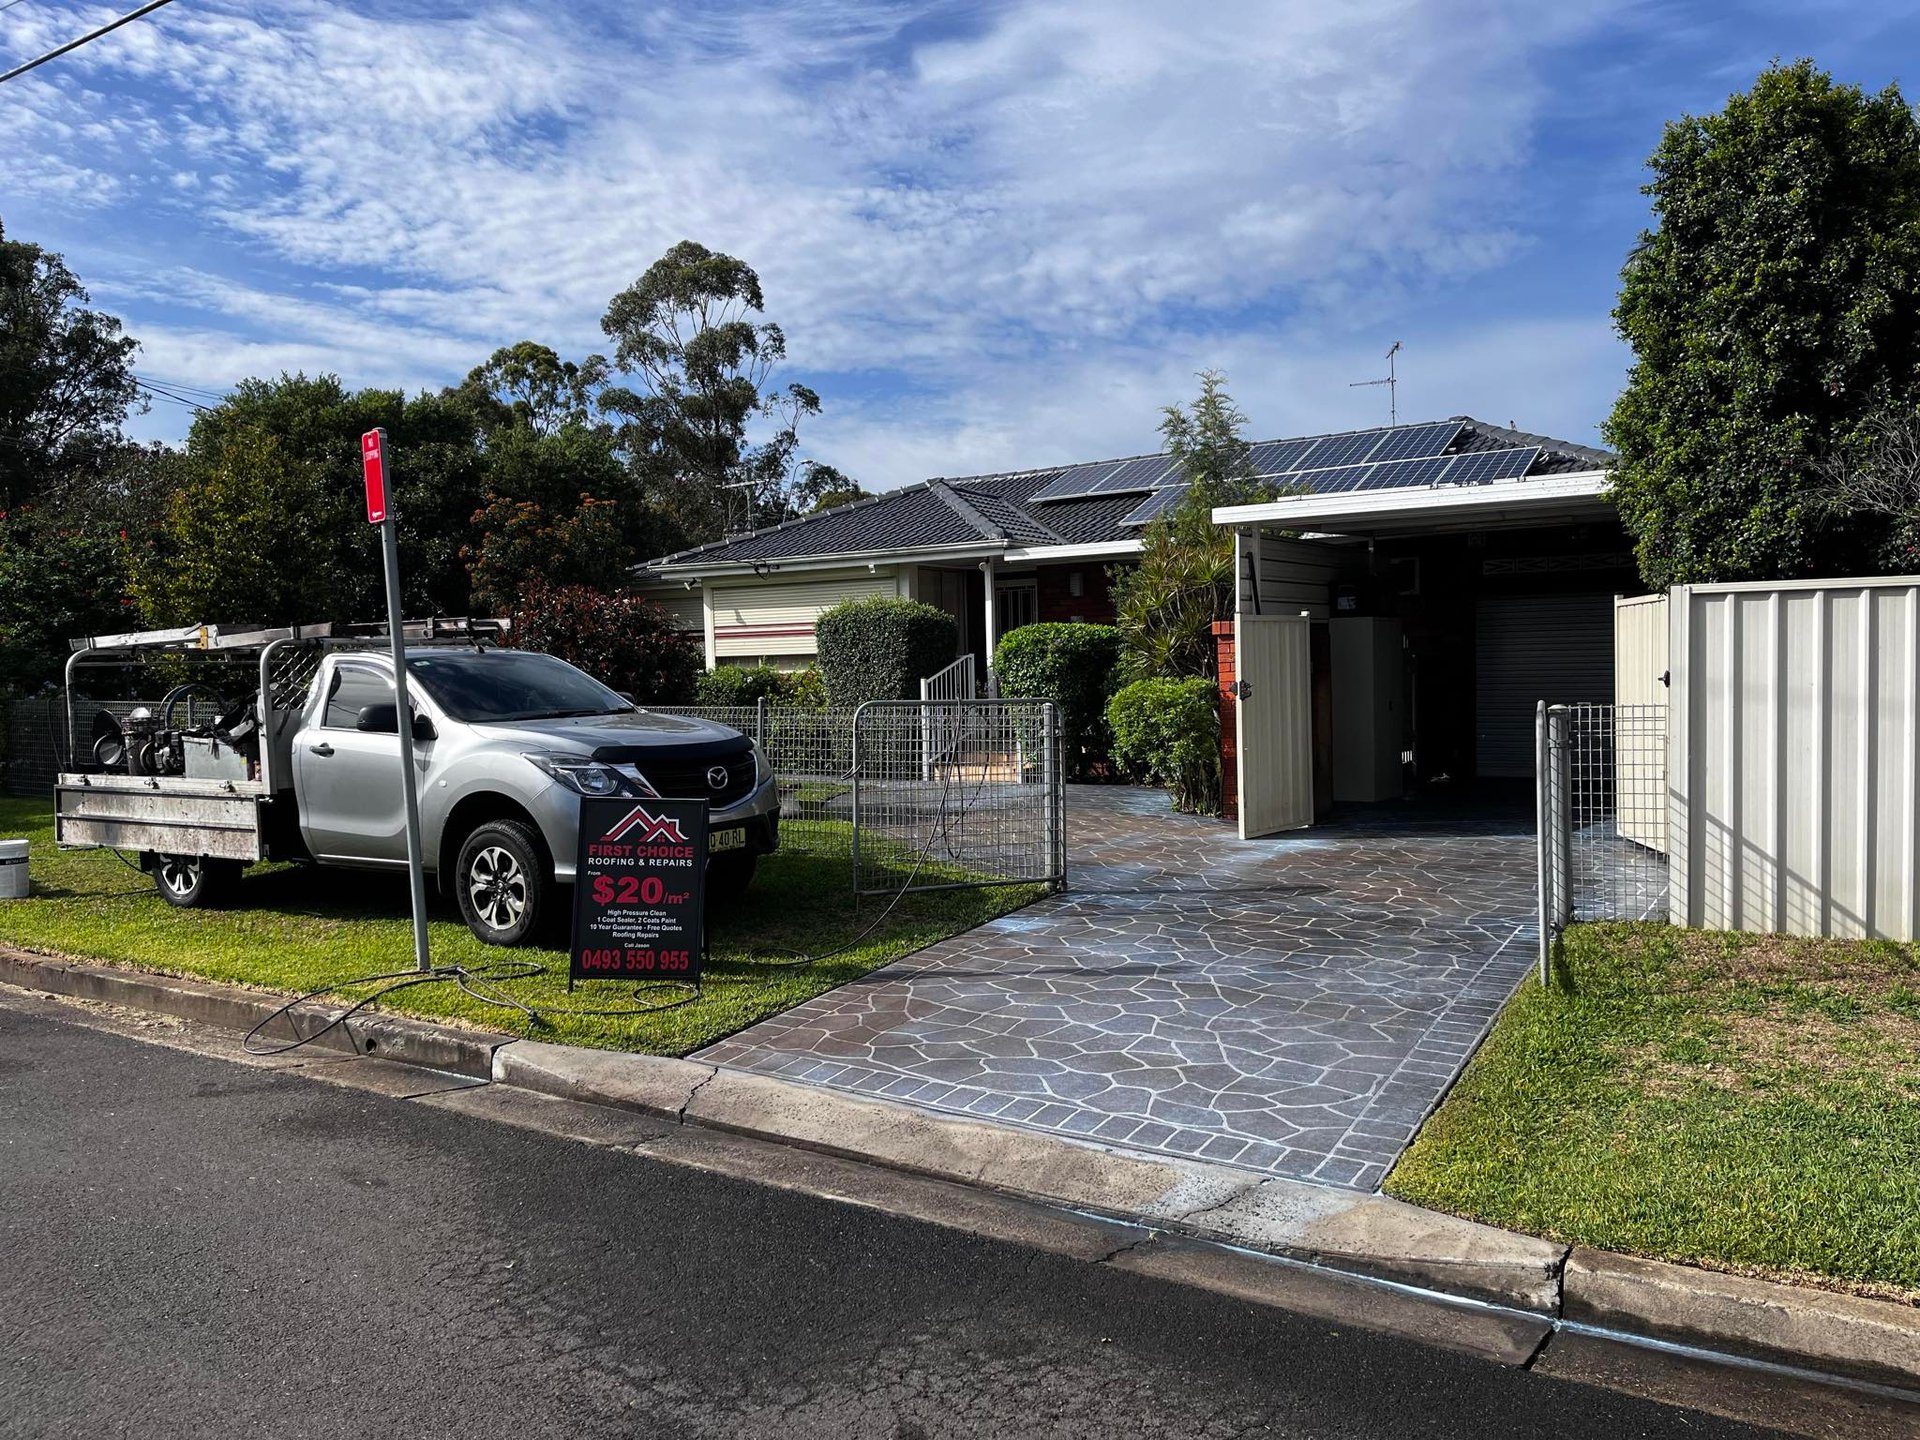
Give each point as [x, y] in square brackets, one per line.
[940, 794]
[1796, 784]
[969, 794]
[1602, 797]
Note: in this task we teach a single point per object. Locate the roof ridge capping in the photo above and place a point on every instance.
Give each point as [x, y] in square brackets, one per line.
[1601, 459]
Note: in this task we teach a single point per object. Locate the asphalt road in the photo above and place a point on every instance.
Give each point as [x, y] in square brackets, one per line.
[190, 1247]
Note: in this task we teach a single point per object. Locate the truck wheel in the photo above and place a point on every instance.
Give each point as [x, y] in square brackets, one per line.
[729, 875]
[502, 883]
[193, 881]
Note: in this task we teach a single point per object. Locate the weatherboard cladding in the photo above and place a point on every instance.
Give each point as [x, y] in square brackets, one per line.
[998, 511]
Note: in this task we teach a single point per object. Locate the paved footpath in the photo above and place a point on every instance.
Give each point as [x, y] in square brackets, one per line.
[194, 1248]
[1294, 1005]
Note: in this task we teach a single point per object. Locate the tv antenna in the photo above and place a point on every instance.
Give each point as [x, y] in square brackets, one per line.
[1392, 382]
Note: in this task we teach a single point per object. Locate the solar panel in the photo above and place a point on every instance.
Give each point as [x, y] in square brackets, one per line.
[1331, 482]
[1415, 442]
[1341, 450]
[1402, 474]
[1155, 504]
[1491, 465]
[1277, 457]
[1075, 481]
[1142, 474]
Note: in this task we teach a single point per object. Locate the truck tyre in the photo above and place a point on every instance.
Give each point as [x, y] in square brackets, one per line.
[193, 882]
[502, 884]
[729, 875]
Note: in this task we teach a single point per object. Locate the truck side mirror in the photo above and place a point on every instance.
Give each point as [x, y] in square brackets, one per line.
[626, 695]
[378, 720]
[423, 728]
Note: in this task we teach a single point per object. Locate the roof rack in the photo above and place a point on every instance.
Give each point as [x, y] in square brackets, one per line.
[233, 639]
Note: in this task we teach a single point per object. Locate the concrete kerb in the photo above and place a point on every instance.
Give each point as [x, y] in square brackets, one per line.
[1343, 1232]
[232, 1007]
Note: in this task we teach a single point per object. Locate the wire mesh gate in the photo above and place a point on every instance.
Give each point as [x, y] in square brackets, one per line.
[916, 795]
[1601, 782]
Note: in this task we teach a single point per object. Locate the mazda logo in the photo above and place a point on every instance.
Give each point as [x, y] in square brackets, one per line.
[717, 777]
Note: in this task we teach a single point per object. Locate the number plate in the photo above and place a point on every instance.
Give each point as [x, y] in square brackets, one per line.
[726, 840]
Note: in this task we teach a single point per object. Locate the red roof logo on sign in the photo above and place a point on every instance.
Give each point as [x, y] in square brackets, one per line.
[373, 467]
[652, 827]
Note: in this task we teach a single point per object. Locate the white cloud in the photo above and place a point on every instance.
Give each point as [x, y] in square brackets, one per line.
[1044, 223]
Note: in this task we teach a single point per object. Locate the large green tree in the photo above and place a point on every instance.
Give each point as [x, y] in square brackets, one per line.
[1165, 606]
[1774, 312]
[713, 437]
[284, 456]
[66, 375]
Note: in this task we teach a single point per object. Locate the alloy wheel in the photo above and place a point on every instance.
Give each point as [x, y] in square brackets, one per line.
[497, 887]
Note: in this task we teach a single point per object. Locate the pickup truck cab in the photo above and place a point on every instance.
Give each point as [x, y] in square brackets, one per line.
[504, 743]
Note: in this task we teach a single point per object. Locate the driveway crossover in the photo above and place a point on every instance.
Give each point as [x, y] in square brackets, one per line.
[1295, 1005]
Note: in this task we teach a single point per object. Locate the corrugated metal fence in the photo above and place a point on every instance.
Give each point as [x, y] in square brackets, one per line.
[1786, 794]
[1794, 784]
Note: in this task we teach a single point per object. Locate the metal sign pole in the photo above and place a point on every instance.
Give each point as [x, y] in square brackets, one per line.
[373, 453]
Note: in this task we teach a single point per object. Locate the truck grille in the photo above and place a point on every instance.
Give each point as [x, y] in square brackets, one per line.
[687, 779]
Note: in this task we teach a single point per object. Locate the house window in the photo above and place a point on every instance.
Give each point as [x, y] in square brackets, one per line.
[1015, 603]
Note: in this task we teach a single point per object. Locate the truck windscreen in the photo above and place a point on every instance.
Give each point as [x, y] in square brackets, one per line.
[478, 686]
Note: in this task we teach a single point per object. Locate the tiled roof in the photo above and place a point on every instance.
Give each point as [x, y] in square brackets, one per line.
[998, 511]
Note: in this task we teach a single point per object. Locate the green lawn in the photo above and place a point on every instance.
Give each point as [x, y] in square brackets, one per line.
[296, 928]
[1749, 1103]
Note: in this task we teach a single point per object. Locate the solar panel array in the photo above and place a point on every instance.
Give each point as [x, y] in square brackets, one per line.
[1472, 469]
[1108, 477]
[1273, 457]
[1155, 505]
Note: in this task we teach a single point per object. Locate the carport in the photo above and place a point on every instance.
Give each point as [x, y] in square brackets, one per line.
[1392, 643]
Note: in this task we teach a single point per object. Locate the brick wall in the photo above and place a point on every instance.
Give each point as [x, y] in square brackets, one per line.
[1228, 670]
[1094, 603]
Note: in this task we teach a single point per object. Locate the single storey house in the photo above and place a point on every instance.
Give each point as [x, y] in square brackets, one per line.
[1481, 556]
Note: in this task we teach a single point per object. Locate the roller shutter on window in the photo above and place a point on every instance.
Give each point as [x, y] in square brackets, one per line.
[1531, 648]
[773, 620]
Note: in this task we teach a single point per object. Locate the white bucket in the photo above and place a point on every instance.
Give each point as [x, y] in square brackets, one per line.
[13, 869]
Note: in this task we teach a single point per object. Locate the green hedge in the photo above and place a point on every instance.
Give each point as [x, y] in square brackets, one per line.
[881, 649]
[750, 684]
[1168, 731]
[1076, 667]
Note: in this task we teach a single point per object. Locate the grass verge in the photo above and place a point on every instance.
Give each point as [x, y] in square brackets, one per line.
[1748, 1103]
[296, 928]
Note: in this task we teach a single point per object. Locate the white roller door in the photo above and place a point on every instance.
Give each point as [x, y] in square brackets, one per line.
[1531, 648]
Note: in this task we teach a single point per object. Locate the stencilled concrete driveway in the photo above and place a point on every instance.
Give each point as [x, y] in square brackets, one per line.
[1295, 1005]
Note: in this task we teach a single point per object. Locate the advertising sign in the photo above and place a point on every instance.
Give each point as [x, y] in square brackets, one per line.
[373, 468]
[639, 889]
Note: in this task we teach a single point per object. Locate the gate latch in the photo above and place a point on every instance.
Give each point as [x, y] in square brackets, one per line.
[1242, 689]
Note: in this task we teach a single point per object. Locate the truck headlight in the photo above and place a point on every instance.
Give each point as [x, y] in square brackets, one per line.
[580, 773]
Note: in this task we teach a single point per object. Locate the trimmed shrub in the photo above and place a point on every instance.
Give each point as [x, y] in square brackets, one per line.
[804, 689]
[881, 649]
[738, 685]
[749, 684]
[1168, 731]
[624, 642]
[1076, 667]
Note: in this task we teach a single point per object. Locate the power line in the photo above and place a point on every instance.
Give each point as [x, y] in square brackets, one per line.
[11, 3]
[148, 388]
[108, 28]
[198, 391]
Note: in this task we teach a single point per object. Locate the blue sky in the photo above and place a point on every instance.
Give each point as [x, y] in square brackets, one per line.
[996, 234]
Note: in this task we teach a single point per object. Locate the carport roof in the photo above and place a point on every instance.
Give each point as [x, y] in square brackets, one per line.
[986, 514]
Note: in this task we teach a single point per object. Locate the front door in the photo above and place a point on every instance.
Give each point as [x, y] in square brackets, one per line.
[348, 780]
[1273, 659]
